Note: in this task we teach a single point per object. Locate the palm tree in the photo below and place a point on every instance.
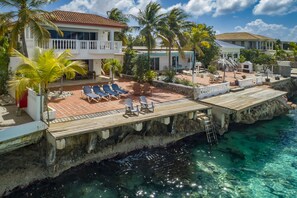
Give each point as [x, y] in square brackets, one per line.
[113, 65]
[150, 21]
[27, 13]
[172, 30]
[117, 15]
[198, 37]
[44, 68]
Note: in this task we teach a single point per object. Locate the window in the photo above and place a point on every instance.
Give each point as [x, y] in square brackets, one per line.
[242, 43]
[174, 61]
[155, 64]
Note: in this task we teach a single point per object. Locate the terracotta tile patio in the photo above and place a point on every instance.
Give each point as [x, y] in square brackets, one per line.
[74, 105]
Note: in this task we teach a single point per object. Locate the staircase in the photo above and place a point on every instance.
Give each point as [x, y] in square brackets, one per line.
[210, 129]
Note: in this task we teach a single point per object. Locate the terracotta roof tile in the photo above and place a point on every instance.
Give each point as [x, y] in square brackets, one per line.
[66, 17]
[241, 36]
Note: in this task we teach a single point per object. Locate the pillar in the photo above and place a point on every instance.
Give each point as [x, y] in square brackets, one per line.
[112, 38]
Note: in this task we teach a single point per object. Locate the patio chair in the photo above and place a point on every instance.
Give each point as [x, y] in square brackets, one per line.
[130, 109]
[87, 91]
[111, 93]
[97, 90]
[117, 89]
[147, 89]
[145, 106]
[136, 89]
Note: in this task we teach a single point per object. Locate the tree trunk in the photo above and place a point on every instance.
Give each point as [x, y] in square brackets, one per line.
[24, 45]
[45, 104]
[169, 54]
[193, 67]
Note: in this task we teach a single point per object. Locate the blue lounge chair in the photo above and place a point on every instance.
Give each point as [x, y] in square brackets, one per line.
[129, 108]
[87, 91]
[98, 91]
[117, 89]
[145, 106]
[111, 93]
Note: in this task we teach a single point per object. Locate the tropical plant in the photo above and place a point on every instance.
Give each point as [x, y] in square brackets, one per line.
[117, 15]
[280, 54]
[114, 66]
[149, 20]
[267, 61]
[44, 68]
[169, 75]
[4, 62]
[198, 38]
[293, 48]
[250, 54]
[141, 66]
[129, 55]
[27, 13]
[212, 69]
[150, 75]
[211, 52]
[172, 30]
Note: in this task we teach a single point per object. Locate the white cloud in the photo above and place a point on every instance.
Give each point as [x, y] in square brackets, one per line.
[102, 6]
[275, 7]
[230, 6]
[198, 7]
[277, 31]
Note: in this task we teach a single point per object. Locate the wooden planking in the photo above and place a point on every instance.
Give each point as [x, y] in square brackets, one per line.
[67, 129]
[244, 99]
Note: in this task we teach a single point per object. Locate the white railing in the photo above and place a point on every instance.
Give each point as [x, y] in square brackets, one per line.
[35, 103]
[249, 82]
[63, 44]
[211, 90]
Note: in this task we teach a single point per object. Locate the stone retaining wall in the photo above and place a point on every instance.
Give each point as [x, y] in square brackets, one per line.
[177, 88]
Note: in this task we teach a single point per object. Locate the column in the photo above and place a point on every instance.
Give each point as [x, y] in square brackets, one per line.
[112, 38]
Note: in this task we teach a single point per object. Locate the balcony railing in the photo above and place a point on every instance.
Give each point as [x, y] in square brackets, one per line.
[77, 45]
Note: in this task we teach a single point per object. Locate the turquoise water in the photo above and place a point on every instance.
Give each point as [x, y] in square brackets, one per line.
[259, 160]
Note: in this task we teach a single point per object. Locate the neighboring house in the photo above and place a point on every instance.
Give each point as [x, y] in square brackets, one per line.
[160, 58]
[228, 50]
[248, 40]
[89, 37]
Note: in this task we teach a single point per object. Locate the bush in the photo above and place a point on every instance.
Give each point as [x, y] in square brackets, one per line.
[4, 62]
[212, 69]
[128, 61]
[169, 75]
[184, 81]
[141, 66]
[150, 75]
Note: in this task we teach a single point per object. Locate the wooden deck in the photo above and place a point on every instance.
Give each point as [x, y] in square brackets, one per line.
[245, 99]
[78, 127]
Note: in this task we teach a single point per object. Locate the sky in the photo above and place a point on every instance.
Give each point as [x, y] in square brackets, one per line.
[272, 18]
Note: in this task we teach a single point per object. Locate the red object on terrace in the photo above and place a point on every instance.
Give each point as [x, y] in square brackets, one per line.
[23, 103]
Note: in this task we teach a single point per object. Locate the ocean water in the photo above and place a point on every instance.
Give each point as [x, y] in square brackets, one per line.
[258, 160]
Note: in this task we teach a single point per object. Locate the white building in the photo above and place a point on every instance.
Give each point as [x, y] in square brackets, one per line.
[228, 50]
[89, 37]
[160, 58]
[248, 40]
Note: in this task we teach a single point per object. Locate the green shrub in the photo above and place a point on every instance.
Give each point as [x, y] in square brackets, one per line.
[169, 75]
[4, 62]
[212, 69]
[141, 66]
[150, 75]
[183, 81]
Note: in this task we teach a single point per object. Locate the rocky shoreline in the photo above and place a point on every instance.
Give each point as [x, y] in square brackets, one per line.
[24, 166]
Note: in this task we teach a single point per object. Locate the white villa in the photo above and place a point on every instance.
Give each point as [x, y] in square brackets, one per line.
[248, 40]
[89, 37]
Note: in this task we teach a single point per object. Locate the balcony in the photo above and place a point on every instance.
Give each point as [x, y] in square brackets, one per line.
[83, 46]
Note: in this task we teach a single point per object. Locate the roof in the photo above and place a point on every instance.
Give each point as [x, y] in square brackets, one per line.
[227, 45]
[241, 36]
[66, 17]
